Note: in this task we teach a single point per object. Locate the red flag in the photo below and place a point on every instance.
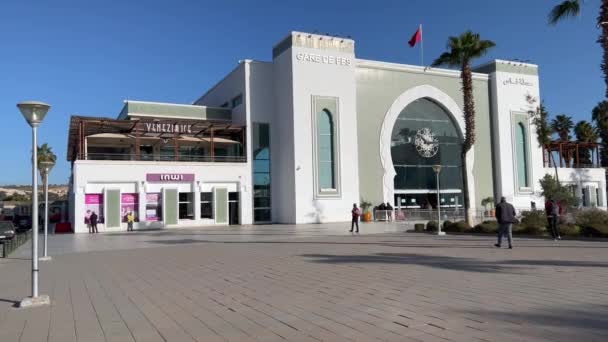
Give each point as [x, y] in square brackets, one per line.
[416, 37]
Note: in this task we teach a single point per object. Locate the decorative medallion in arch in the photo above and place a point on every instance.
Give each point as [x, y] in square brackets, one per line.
[407, 97]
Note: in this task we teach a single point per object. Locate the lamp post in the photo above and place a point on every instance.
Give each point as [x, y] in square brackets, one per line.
[45, 168]
[437, 169]
[34, 112]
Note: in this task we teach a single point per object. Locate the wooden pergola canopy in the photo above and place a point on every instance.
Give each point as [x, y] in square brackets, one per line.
[569, 153]
[83, 126]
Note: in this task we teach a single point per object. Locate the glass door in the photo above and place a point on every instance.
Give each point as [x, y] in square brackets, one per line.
[261, 174]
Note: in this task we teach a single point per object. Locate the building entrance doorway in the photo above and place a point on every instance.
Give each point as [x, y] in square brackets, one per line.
[233, 208]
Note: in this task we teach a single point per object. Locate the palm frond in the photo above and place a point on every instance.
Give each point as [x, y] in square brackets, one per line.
[568, 8]
[446, 58]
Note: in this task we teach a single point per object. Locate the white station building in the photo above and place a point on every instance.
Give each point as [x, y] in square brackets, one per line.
[301, 138]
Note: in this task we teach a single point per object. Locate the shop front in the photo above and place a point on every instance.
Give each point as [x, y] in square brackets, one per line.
[166, 200]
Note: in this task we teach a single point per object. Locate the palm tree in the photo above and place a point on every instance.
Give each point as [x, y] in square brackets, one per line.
[45, 153]
[540, 117]
[600, 117]
[585, 133]
[572, 8]
[462, 50]
[562, 125]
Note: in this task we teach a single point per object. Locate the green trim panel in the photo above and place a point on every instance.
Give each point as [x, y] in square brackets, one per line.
[170, 206]
[168, 110]
[220, 199]
[112, 208]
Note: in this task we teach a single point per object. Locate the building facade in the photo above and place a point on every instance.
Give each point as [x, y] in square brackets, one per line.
[301, 138]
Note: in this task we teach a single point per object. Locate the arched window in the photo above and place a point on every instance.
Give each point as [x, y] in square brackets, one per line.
[521, 154]
[424, 135]
[325, 150]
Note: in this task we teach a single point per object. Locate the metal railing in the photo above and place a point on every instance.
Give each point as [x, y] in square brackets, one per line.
[164, 157]
[451, 214]
[9, 246]
[413, 214]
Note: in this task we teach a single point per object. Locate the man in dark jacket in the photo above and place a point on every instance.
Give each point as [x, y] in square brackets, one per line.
[355, 212]
[553, 210]
[93, 220]
[505, 215]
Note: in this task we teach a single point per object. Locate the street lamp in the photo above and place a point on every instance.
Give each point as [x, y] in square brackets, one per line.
[34, 112]
[437, 169]
[45, 168]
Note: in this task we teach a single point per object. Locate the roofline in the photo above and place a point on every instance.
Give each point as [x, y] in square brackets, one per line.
[504, 61]
[138, 115]
[371, 64]
[291, 33]
[170, 104]
[241, 63]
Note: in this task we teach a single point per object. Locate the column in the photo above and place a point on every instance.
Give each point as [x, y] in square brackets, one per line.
[141, 187]
[78, 225]
[196, 189]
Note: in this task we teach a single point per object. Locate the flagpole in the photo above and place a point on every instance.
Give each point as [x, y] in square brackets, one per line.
[421, 47]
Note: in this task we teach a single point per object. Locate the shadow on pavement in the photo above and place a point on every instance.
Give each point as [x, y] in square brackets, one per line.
[447, 262]
[434, 261]
[442, 245]
[586, 318]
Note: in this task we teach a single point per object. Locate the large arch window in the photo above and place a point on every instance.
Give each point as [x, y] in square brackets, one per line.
[326, 151]
[415, 181]
[521, 154]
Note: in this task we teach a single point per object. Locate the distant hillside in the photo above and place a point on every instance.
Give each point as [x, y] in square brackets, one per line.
[23, 192]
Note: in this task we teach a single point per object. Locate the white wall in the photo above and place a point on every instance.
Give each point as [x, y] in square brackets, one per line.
[264, 98]
[332, 80]
[95, 176]
[582, 178]
[282, 142]
[233, 84]
[225, 90]
[509, 99]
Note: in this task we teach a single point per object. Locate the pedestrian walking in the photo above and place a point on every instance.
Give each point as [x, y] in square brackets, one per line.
[93, 220]
[130, 220]
[87, 220]
[553, 210]
[505, 215]
[356, 212]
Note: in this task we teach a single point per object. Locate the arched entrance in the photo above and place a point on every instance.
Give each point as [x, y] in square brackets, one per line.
[425, 135]
[423, 127]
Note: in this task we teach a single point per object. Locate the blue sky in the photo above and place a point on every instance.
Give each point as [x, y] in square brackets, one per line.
[85, 57]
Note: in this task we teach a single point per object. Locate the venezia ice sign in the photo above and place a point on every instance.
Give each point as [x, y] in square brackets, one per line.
[323, 59]
[167, 128]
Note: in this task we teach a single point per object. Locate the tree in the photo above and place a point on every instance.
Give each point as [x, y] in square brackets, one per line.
[585, 133]
[554, 190]
[562, 125]
[600, 117]
[572, 8]
[462, 50]
[540, 119]
[45, 153]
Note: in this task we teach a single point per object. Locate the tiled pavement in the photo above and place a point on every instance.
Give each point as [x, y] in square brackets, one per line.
[312, 283]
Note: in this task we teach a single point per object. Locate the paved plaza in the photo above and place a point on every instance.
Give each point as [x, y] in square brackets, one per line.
[310, 283]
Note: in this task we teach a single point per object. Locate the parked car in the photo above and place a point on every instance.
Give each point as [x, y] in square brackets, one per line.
[7, 230]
